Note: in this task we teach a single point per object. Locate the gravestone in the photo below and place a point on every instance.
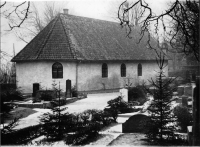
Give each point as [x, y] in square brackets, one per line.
[189, 134]
[135, 124]
[180, 90]
[68, 88]
[36, 87]
[184, 101]
[188, 90]
[124, 94]
[193, 76]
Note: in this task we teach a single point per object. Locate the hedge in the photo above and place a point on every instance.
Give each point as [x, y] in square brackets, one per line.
[21, 136]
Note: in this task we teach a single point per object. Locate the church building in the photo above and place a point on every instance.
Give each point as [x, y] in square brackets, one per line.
[93, 54]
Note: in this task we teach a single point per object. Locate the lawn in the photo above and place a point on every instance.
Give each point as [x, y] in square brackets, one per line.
[21, 112]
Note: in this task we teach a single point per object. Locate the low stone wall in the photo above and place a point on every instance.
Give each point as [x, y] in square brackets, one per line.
[45, 104]
[42, 106]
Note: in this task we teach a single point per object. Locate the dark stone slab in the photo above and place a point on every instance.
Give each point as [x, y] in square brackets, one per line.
[188, 91]
[180, 90]
[184, 101]
[135, 124]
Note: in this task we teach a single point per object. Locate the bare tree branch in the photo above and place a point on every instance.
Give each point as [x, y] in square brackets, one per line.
[22, 19]
[15, 14]
[184, 20]
[3, 4]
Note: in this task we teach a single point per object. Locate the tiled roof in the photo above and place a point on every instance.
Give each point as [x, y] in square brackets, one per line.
[70, 37]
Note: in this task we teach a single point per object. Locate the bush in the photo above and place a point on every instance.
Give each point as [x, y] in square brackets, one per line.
[117, 105]
[46, 96]
[137, 94]
[74, 91]
[6, 107]
[77, 129]
[21, 136]
[11, 94]
[87, 125]
[184, 118]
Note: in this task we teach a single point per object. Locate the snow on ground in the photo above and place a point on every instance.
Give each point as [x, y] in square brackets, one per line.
[93, 101]
[32, 119]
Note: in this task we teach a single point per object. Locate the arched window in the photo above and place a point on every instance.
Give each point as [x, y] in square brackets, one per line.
[123, 70]
[139, 69]
[57, 70]
[104, 70]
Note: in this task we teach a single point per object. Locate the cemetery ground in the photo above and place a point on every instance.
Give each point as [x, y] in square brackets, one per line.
[110, 135]
[107, 136]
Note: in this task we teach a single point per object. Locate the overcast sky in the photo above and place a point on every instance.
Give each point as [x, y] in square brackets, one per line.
[99, 9]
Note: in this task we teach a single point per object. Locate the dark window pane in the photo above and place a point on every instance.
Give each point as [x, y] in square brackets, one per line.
[60, 74]
[123, 70]
[57, 70]
[139, 70]
[104, 70]
[54, 74]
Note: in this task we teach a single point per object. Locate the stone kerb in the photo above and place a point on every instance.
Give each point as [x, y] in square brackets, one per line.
[135, 124]
[124, 94]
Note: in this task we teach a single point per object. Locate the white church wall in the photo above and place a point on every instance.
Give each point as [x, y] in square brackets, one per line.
[41, 72]
[90, 75]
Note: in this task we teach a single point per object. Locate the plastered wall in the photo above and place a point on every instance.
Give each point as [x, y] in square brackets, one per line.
[89, 75]
[41, 72]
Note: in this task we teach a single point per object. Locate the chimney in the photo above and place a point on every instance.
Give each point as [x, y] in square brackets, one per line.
[65, 11]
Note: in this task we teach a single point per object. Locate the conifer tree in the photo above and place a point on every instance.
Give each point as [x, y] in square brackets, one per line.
[161, 125]
[56, 123]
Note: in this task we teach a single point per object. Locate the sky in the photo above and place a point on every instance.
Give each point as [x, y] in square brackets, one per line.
[99, 9]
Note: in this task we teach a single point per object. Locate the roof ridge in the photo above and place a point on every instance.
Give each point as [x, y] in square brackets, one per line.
[46, 39]
[69, 40]
[96, 19]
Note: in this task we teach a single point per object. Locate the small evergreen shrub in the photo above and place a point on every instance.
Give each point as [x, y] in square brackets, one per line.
[137, 94]
[46, 96]
[184, 118]
[56, 125]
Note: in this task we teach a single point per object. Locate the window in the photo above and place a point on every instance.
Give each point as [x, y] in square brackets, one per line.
[139, 70]
[104, 70]
[123, 70]
[57, 70]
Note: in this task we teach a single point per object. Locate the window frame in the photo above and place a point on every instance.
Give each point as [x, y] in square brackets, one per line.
[139, 69]
[104, 70]
[57, 72]
[123, 70]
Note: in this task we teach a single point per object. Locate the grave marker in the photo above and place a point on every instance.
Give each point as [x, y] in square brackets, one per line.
[124, 94]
